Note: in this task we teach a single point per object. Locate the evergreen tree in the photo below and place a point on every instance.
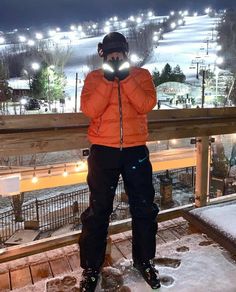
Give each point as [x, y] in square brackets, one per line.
[168, 75]
[5, 92]
[48, 84]
[156, 78]
[178, 75]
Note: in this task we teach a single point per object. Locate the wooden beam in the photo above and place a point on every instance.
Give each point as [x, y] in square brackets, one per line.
[41, 142]
[41, 121]
[46, 244]
[30, 134]
[47, 121]
[162, 160]
[202, 170]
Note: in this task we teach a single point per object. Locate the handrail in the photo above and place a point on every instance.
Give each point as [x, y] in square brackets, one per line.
[46, 244]
[56, 132]
[30, 134]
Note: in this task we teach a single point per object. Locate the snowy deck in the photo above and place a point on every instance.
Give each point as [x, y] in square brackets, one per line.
[187, 261]
[218, 221]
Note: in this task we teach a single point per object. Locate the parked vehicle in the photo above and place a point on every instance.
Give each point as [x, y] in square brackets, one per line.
[32, 104]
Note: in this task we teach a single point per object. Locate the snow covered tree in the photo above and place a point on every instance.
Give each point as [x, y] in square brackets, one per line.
[232, 91]
[227, 40]
[178, 74]
[156, 78]
[48, 84]
[5, 92]
[168, 75]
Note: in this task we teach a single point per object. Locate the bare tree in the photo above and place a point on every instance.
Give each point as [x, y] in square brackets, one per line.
[57, 57]
[227, 39]
[94, 61]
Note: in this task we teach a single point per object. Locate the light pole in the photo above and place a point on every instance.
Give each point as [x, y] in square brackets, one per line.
[23, 101]
[50, 75]
[207, 46]
[198, 60]
[35, 67]
[219, 61]
[2, 40]
[203, 86]
[217, 75]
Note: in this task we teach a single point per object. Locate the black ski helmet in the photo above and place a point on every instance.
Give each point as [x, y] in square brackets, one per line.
[113, 42]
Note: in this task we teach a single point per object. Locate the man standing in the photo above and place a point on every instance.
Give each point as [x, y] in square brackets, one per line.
[117, 99]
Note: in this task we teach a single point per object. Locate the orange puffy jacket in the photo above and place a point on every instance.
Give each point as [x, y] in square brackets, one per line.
[118, 110]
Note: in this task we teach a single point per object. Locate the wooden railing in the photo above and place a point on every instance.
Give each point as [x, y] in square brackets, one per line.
[31, 134]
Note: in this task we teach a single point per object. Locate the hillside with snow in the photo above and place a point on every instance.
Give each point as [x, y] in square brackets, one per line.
[179, 47]
[186, 44]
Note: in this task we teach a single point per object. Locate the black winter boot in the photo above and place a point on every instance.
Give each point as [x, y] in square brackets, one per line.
[89, 280]
[149, 273]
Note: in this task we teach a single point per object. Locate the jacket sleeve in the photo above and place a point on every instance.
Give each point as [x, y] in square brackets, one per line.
[95, 95]
[141, 95]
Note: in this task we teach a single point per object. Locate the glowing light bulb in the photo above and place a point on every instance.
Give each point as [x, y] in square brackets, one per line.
[34, 179]
[65, 173]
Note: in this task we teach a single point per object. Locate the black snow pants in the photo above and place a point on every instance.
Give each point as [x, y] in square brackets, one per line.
[105, 164]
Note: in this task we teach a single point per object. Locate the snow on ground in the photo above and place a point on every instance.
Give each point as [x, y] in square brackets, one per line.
[222, 217]
[182, 45]
[192, 264]
[202, 268]
[17, 83]
[178, 47]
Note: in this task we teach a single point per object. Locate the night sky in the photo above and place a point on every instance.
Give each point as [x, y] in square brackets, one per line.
[21, 13]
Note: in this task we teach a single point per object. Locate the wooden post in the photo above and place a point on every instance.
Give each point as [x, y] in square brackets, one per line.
[202, 172]
[108, 250]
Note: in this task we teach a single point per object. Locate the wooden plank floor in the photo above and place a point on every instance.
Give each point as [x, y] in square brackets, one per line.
[29, 270]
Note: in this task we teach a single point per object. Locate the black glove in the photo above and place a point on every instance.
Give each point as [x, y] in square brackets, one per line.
[122, 71]
[110, 76]
[108, 71]
[121, 75]
[116, 68]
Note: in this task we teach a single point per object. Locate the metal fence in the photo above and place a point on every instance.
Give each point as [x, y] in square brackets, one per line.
[54, 212]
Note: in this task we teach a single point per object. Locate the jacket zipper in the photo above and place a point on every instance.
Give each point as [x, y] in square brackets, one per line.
[121, 117]
[99, 126]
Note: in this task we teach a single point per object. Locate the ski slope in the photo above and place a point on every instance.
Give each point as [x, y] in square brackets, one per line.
[179, 47]
[184, 44]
